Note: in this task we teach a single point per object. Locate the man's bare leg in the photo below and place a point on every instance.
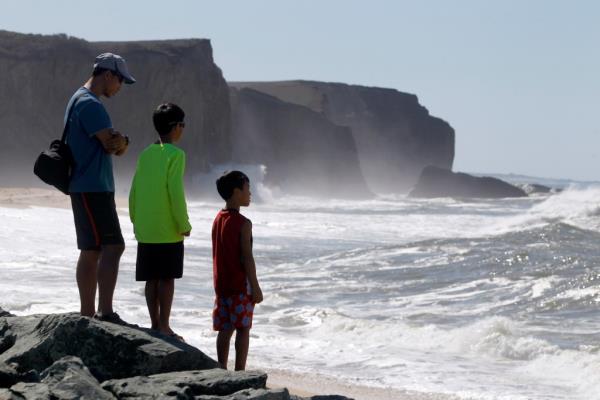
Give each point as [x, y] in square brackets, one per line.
[87, 270]
[242, 343]
[108, 270]
[223, 340]
[166, 288]
[152, 303]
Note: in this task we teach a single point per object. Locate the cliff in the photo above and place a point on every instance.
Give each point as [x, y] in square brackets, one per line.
[40, 73]
[395, 136]
[314, 137]
[303, 151]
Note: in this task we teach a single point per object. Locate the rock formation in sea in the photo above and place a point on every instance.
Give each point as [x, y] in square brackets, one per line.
[66, 356]
[439, 182]
[395, 135]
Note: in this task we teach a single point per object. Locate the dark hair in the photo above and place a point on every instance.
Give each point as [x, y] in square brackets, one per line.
[229, 181]
[166, 116]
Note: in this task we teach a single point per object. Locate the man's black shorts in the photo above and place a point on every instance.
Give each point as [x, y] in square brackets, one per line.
[96, 220]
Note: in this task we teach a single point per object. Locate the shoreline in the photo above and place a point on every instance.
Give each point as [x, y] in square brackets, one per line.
[315, 384]
[26, 197]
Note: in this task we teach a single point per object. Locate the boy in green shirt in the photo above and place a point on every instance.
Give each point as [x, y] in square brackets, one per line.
[158, 211]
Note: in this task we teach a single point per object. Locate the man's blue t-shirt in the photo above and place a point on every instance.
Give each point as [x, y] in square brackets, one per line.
[93, 171]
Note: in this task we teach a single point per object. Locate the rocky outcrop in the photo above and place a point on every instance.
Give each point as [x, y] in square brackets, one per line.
[66, 356]
[110, 351]
[40, 73]
[67, 378]
[303, 151]
[439, 182]
[214, 382]
[395, 136]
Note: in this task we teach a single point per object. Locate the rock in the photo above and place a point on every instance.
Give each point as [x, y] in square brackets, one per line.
[110, 351]
[304, 152]
[439, 182]
[215, 382]
[7, 337]
[28, 391]
[395, 135]
[66, 379]
[5, 313]
[69, 378]
[10, 376]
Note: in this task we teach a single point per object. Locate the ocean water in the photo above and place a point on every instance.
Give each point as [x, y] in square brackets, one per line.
[482, 299]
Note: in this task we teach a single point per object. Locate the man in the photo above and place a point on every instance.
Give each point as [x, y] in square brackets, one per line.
[93, 141]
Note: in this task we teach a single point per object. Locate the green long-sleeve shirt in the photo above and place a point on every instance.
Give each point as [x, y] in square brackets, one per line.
[157, 206]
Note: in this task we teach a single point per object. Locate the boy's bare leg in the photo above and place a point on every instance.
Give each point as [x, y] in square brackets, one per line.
[87, 269]
[151, 292]
[108, 269]
[242, 343]
[223, 340]
[166, 288]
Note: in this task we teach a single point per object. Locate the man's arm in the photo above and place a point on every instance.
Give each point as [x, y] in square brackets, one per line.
[248, 262]
[112, 141]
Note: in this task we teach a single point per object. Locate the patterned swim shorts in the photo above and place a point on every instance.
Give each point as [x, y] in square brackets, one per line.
[233, 312]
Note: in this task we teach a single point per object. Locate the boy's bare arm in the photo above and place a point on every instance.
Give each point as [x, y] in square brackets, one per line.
[248, 262]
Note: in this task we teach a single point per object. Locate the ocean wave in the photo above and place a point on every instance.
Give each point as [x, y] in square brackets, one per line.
[576, 206]
[400, 353]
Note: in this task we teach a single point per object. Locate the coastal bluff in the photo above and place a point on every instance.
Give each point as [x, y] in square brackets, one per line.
[395, 135]
[66, 356]
[40, 73]
[314, 138]
[304, 152]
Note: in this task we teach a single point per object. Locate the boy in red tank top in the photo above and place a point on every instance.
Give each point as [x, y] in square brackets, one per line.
[234, 272]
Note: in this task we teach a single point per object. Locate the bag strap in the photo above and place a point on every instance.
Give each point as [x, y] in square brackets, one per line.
[64, 135]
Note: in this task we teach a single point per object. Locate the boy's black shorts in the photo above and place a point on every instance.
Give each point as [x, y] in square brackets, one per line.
[96, 220]
[159, 261]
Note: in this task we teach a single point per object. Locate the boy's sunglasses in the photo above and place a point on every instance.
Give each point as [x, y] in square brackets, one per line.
[180, 123]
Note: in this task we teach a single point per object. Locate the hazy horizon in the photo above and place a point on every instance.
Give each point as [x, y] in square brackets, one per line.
[516, 80]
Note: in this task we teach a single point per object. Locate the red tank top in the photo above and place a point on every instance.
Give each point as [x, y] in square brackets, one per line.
[229, 277]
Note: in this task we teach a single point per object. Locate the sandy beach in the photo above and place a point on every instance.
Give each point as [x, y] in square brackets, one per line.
[312, 384]
[21, 197]
[27, 197]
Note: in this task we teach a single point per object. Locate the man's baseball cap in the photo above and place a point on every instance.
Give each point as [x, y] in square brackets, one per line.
[114, 63]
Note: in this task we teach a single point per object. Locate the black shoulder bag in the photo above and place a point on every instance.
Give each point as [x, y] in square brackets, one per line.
[53, 166]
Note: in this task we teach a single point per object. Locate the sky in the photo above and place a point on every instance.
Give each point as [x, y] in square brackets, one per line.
[518, 80]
